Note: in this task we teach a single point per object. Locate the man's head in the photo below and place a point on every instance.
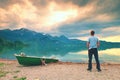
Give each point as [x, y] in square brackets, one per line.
[92, 33]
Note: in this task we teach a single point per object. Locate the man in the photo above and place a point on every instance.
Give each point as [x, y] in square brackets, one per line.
[93, 44]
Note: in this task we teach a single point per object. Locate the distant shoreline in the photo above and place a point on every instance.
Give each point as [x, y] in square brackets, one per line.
[61, 62]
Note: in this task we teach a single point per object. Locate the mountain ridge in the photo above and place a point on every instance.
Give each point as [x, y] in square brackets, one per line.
[48, 41]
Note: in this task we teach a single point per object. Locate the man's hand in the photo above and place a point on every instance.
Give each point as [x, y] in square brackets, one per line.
[87, 44]
[98, 44]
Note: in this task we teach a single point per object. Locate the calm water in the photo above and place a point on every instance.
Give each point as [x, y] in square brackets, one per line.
[108, 55]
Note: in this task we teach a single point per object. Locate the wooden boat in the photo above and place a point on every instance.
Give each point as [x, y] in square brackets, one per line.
[31, 61]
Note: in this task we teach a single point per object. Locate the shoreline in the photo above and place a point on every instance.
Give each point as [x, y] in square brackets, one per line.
[12, 70]
[60, 62]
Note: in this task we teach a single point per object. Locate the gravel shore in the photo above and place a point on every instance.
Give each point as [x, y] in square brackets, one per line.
[11, 70]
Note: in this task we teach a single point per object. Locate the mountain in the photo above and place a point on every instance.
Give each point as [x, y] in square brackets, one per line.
[108, 45]
[42, 41]
[26, 35]
[19, 34]
[6, 44]
[48, 42]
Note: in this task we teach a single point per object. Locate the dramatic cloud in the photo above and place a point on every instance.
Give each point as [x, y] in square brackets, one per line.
[72, 18]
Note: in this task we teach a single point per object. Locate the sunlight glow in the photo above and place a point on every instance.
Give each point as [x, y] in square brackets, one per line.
[113, 51]
[112, 38]
[61, 16]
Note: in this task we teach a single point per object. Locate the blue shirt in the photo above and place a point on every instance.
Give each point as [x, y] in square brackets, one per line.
[92, 40]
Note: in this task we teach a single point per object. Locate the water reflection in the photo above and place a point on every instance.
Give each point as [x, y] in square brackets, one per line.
[113, 51]
[108, 55]
[64, 54]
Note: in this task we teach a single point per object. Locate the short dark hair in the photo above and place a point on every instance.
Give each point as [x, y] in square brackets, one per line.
[92, 32]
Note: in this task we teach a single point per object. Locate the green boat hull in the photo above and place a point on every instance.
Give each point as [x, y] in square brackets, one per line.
[31, 61]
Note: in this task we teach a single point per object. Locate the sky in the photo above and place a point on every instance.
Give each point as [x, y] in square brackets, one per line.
[72, 18]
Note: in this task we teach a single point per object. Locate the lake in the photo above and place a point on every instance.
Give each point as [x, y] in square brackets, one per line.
[108, 55]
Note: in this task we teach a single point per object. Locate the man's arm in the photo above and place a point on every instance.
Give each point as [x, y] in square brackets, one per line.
[98, 43]
[88, 44]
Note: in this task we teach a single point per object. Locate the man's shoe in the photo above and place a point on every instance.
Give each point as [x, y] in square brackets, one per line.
[89, 69]
[99, 70]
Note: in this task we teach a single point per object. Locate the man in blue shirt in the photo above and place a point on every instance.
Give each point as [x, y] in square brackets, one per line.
[92, 44]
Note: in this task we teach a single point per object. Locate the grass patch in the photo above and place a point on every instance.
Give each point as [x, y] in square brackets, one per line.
[1, 64]
[3, 73]
[14, 76]
[17, 71]
[22, 78]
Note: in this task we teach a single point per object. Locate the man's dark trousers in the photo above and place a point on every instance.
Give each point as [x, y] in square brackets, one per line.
[94, 52]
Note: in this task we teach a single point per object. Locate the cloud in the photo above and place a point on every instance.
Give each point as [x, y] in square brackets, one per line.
[76, 2]
[112, 29]
[110, 7]
[103, 30]
[111, 32]
[32, 14]
[101, 18]
[6, 4]
[15, 15]
[73, 18]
